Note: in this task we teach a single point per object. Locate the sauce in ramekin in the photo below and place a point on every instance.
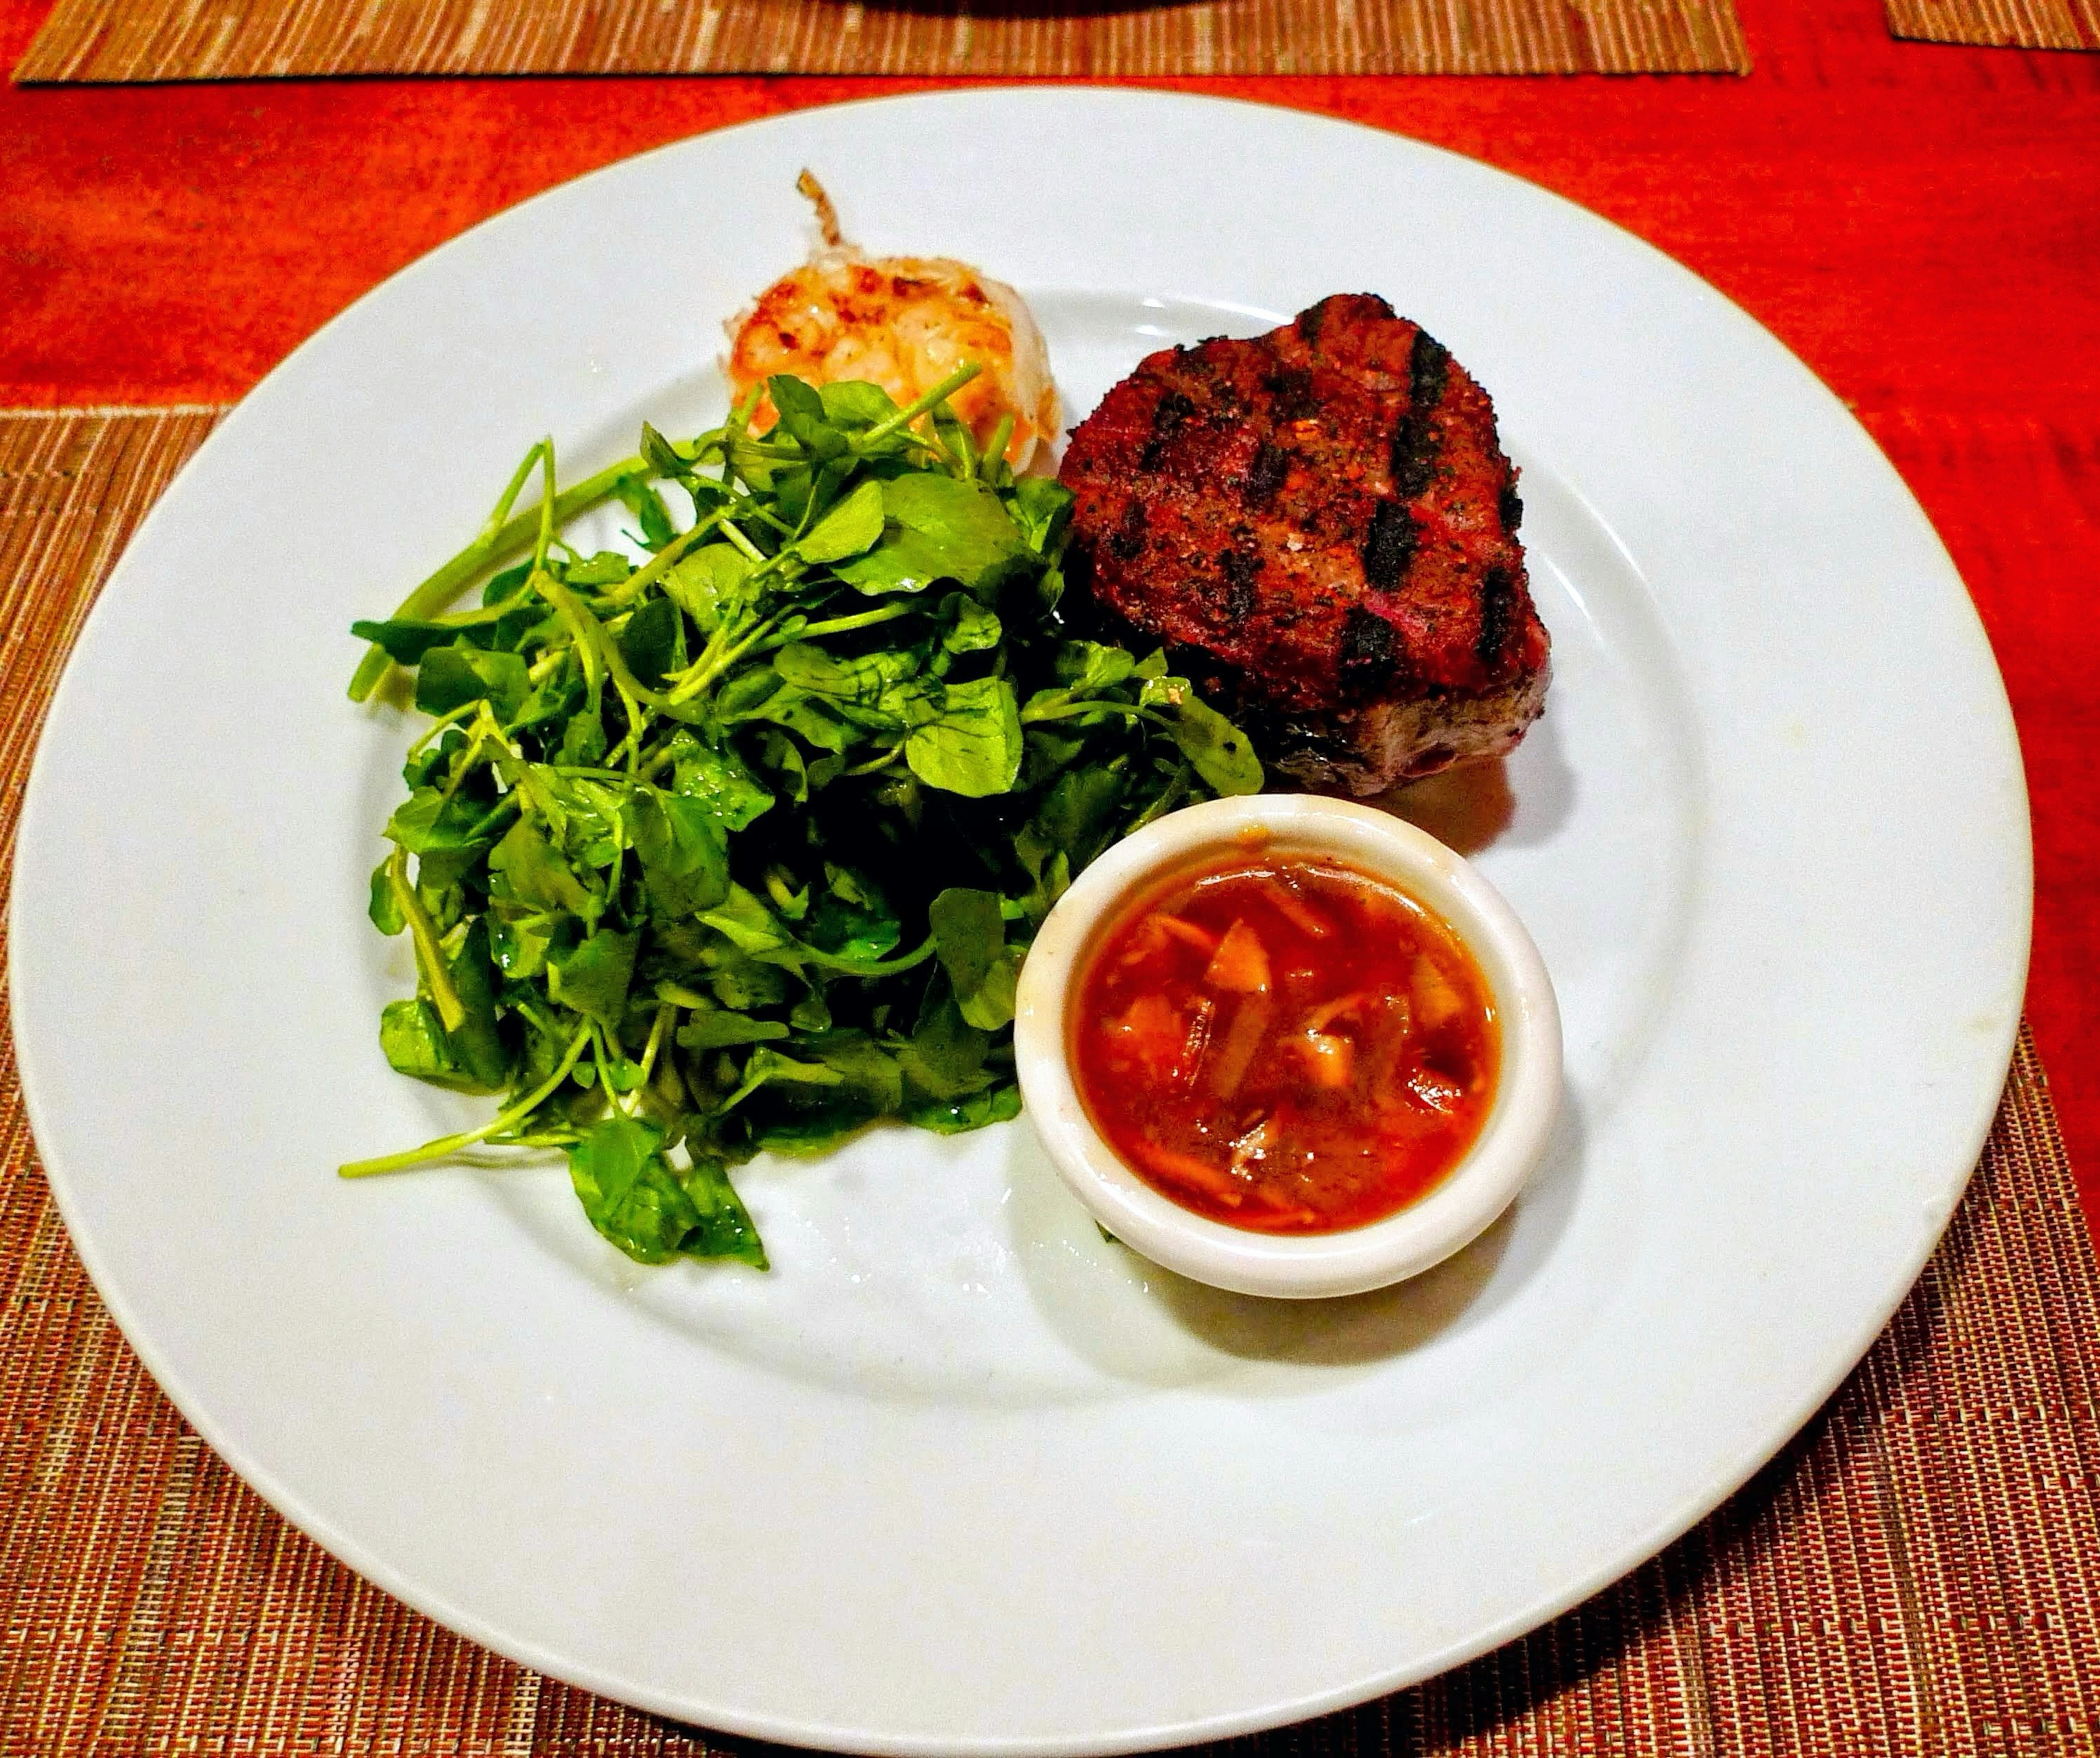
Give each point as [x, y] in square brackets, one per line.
[1284, 1044]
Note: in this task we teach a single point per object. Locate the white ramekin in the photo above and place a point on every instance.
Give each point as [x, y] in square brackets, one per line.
[1302, 1266]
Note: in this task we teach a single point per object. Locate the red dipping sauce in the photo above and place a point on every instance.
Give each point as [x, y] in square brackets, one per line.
[1287, 1045]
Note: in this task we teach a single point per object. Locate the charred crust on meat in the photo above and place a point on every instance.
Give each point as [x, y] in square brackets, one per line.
[1168, 414]
[1497, 615]
[1239, 566]
[1510, 504]
[1129, 537]
[1291, 395]
[1390, 546]
[1310, 321]
[1428, 372]
[1369, 649]
[1265, 474]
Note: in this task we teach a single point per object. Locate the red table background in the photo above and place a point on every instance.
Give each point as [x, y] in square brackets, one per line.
[1920, 223]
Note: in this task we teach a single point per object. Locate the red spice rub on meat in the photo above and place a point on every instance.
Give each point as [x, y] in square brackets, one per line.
[1320, 525]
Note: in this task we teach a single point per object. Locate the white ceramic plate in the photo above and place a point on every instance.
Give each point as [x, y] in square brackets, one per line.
[958, 1477]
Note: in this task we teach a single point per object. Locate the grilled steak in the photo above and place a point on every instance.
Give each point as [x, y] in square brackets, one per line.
[1321, 526]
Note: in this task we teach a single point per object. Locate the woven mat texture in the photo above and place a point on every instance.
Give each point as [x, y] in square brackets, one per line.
[138, 40]
[1998, 23]
[1917, 1572]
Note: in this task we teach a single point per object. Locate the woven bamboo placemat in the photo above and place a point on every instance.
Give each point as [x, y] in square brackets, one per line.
[1998, 23]
[143, 40]
[1918, 1571]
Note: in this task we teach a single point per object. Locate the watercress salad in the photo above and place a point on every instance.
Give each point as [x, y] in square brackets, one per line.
[740, 846]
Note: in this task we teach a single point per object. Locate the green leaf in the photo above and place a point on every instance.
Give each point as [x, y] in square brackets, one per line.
[750, 926]
[654, 641]
[725, 1228]
[852, 921]
[721, 1029]
[802, 414]
[647, 506]
[954, 1117]
[742, 982]
[608, 567]
[717, 776]
[849, 529]
[593, 978]
[853, 404]
[703, 583]
[872, 691]
[536, 874]
[1087, 667]
[406, 639]
[685, 856]
[939, 527]
[766, 1067]
[1078, 813]
[809, 1107]
[945, 1057]
[661, 455]
[972, 628]
[1042, 504]
[477, 1043]
[640, 1204]
[414, 1040]
[450, 678]
[969, 939]
[384, 909]
[974, 746]
[428, 823]
[866, 1072]
[1220, 752]
[519, 944]
[583, 739]
[812, 718]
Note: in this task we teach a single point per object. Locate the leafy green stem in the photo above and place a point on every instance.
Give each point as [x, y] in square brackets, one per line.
[660, 563]
[430, 955]
[509, 536]
[447, 1145]
[721, 655]
[839, 625]
[911, 412]
[864, 967]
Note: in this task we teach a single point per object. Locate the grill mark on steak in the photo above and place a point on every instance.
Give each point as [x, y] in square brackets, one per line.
[1428, 371]
[1413, 459]
[1370, 649]
[1316, 525]
[1390, 545]
[1415, 436]
[1497, 614]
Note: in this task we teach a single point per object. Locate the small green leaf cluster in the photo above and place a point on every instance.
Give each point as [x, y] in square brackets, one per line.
[740, 846]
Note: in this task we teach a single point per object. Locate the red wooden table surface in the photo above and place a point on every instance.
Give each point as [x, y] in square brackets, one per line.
[1920, 223]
